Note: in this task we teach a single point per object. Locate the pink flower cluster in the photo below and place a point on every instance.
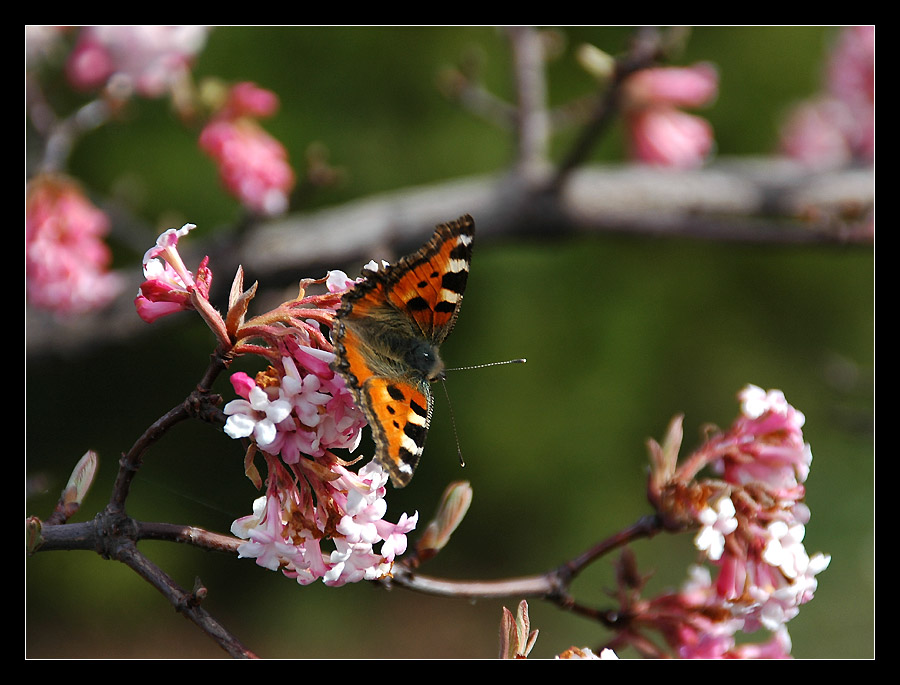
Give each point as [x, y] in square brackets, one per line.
[659, 132]
[169, 285]
[765, 573]
[253, 165]
[317, 520]
[302, 408]
[286, 531]
[838, 126]
[751, 524]
[148, 60]
[693, 622]
[295, 413]
[66, 259]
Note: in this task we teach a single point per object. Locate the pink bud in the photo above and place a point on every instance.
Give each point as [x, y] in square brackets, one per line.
[693, 86]
[248, 99]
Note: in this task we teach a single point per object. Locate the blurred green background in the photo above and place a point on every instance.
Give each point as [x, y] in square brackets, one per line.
[620, 334]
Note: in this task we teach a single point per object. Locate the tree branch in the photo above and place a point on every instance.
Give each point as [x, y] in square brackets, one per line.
[552, 585]
[200, 403]
[645, 51]
[186, 603]
[764, 200]
[532, 117]
[114, 536]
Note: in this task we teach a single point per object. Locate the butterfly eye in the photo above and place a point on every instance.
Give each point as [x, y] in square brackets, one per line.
[424, 358]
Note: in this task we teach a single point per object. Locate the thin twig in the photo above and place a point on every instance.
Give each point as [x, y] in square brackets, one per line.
[61, 135]
[644, 52]
[532, 118]
[187, 603]
[200, 403]
[114, 535]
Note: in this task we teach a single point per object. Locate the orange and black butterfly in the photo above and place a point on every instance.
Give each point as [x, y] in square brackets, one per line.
[387, 339]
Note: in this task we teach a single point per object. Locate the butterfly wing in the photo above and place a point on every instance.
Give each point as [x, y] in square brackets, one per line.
[387, 334]
[429, 284]
[399, 414]
[398, 409]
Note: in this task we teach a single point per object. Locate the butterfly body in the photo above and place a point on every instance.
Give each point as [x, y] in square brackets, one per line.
[387, 338]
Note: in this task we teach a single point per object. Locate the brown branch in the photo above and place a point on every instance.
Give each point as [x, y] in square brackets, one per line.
[61, 135]
[114, 536]
[200, 403]
[552, 585]
[191, 535]
[646, 527]
[187, 603]
[87, 535]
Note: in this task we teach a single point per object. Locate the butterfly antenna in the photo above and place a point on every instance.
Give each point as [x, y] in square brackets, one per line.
[481, 366]
[462, 461]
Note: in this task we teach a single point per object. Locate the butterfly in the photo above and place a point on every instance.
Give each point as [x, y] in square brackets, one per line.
[387, 335]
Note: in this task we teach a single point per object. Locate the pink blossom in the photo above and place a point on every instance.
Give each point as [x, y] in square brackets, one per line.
[296, 412]
[778, 647]
[579, 653]
[305, 391]
[265, 531]
[307, 410]
[66, 260]
[694, 86]
[688, 622]
[258, 415]
[717, 522]
[394, 534]
[169, 284]
[277, 538]
[696, 627]
[145, 59]
[751, 524]
[768, 444]
[253, 165]
[242, 384]
[814, 133]
[766, 574]
[337, 281]
[248, 99]
[851, 80]
[658, 132]
[668, 137]
[837, 125]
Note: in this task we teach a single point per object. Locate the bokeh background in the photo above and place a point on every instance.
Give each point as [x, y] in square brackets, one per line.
[620, 334]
